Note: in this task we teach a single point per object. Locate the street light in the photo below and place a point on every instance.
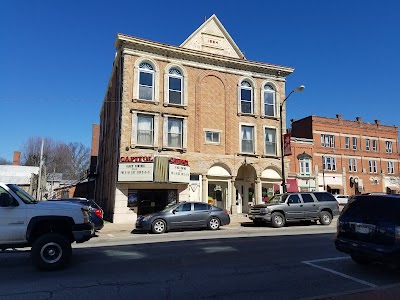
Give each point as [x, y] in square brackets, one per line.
[298, 89]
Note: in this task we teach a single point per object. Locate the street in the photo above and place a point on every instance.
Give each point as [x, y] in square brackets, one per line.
[295, 262]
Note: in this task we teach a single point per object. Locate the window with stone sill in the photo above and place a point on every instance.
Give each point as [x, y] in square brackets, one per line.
[246, 98]
[146, 81]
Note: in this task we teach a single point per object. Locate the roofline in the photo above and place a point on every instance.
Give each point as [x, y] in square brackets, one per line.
[123, 40]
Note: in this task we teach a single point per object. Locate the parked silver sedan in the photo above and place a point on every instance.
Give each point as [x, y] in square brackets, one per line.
[184, 215]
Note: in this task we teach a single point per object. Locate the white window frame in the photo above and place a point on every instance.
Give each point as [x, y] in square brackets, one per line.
[389, 147]
[253, 138]
[184, 132]
[354, 143]
[374, 145]
[373, 166]
[305, 167]
[270, 89]
[367, 145]
[136, 75]
[184, 83]
[273, 143]
[134, 132]
[251, 101]
[328, 140]
[347, 142]
[390, 167]
[329, 163]
[352, 164]
[213, 133]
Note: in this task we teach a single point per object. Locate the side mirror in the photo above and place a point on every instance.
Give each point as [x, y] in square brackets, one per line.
[174, 211]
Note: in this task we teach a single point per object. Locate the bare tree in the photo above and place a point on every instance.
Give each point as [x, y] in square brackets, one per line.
[4, 161]
[72, 160]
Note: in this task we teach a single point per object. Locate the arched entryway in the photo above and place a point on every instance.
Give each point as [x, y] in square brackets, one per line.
[245, 188]
[270, 183]
[219, 186]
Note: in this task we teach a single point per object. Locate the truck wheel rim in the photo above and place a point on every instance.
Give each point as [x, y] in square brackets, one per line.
[326, 218]
[278, 220]
[159, 226]
[51, 253]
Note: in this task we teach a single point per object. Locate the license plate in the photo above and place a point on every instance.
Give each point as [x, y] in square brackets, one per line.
[364, 228]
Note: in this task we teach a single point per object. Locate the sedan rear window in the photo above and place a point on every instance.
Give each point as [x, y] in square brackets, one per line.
[201, 206]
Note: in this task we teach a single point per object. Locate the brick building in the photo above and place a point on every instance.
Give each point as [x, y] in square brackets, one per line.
[196, 122]
[345, 157]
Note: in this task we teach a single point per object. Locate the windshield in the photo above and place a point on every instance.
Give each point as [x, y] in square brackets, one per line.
[28, 199]
[278, 199]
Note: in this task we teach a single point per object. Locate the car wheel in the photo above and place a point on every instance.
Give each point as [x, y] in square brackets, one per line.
[159, 226]
[213, 223]
[360, 259]
[325, 218]
[51, 251]
[277, 220]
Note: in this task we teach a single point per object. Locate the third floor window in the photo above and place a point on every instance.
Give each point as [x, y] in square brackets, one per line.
[146, 81]
[327, 140]
[269, 101]
[389, 147]
[246, 98]
[175, 87]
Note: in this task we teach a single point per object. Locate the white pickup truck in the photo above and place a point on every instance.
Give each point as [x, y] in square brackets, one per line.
[48, 227]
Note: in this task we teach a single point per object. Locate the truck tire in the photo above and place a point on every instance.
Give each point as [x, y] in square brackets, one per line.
[277, 220]
[51, 251]
[325, 218]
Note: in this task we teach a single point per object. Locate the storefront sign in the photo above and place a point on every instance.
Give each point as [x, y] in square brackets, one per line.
[179, 173]
[130, 159]
[135, 171]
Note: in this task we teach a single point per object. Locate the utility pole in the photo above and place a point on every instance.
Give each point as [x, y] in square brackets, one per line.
[39, 193]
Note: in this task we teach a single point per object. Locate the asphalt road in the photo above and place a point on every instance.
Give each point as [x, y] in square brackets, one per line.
[295, 262]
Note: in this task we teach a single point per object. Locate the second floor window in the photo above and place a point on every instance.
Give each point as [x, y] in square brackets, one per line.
[175, 133]
[327, 140]
[246, 98]
[329, 163]
[270, 141]
[269, 101]
[175, 87]
[347, 142]
[354, 143]
[305, 167]
[146, 81]
[352, 165]
[390, 167]
[389, 147]
[213, 137]
[372, 166]
[367, 144]
[247, 139]
[145, 130]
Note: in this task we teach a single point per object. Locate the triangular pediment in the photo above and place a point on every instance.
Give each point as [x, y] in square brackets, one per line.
[212, 37]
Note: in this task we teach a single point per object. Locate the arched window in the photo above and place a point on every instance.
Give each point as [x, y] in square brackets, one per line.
[175, 86]
[246, 98]
[146, 81]
[269, 101]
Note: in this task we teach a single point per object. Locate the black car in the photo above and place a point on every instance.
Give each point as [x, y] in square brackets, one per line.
[184, 215]
[369, 229]
[95, 211]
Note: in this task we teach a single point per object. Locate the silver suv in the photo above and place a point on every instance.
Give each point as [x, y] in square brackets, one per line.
[295, 207]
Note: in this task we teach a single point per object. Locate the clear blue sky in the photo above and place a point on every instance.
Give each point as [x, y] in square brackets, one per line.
[56, 56]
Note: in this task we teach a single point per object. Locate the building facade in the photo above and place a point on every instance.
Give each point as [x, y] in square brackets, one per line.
[197, 122]
[346, 157]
